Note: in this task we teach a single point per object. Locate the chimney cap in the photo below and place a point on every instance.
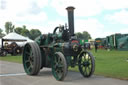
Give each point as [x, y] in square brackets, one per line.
[70, 8]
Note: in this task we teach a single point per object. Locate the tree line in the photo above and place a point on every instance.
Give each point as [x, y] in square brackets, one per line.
[83, 35]
[33, 33]
[9, 27]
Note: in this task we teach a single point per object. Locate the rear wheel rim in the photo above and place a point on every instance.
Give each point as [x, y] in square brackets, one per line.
[28, 59]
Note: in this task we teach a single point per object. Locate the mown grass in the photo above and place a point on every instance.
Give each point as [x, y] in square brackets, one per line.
[108, 63]
[112, 63]
[16, 59]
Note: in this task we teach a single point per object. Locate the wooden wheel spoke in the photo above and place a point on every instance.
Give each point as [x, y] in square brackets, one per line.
[60, 65]
[89, 58]
[85, 70]
[84, 55]
[27, 53]
[31, 54]
[31, 65]
[89, 69]
[27, 61]
[29, 68]
[59, 73]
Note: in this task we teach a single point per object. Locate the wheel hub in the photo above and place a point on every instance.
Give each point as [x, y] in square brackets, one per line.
[86, 63]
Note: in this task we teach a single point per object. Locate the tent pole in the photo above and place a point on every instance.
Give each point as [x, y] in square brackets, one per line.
[2, 43]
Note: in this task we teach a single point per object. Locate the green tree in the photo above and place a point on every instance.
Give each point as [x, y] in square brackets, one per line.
[24, 27]
[22, 31]
[34, 33]
[25, 31]
[84, 35]
[1, 33]
[12, 28]
[79, 35]
[9, 27]
[18, 30]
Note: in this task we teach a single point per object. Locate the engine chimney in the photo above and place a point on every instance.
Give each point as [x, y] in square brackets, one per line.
[70, 11]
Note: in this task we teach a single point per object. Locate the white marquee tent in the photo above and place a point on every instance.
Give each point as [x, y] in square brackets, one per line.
[16, 36]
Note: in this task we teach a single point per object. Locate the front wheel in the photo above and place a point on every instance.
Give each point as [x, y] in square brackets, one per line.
[86, 64]
[59, 66]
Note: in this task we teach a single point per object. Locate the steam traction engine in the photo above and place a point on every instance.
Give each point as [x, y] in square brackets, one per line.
[58, 51]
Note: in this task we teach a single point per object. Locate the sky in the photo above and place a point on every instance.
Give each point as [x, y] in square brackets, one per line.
[99, 17]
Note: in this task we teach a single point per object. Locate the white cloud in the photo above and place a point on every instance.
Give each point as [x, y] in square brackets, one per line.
[96, 28]
[83, 7]
[42, 3]
[17, 11]
[124, 30]
[19, 5]
[113, 4]
[46, 27]
[23, 20]
[93, 26]
[118, 17]
[50, 26]
[31, 18]
[88, 7]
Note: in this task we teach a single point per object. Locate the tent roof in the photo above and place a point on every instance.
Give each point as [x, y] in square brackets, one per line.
[14, 36]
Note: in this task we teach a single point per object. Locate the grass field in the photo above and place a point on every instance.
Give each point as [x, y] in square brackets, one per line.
[108, 63]
[112, 63]
[16, 59]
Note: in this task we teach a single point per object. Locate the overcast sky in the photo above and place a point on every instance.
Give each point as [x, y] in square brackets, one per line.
[99, 17]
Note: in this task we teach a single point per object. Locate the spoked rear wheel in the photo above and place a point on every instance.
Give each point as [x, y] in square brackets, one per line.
[59, 66]
[86, 64]
[31, 58]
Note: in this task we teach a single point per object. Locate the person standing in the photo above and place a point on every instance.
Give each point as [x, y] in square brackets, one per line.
[96, 47]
